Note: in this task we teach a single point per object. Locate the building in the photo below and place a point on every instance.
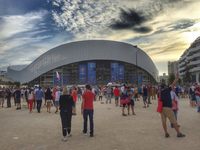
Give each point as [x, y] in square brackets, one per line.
[92, 61]
[190, 61]
[172, 67]
[163, 78]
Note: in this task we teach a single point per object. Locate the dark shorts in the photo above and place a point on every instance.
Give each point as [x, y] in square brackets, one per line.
[116, 97]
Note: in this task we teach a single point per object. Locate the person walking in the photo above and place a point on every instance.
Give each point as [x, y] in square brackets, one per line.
[8, 97]
[175, 100]
[48, 97]
[38, 96]
[57, 97]
[116, 92]
[17, 95]
[75, 96]
[131, 103]
[2, 96]
[87, 109]
[26, 96]
[167, 111]
[66, 104]
[30, 99]
[100, 93]
[197, 95]
[108, 94]
[144, 96]
[192, 96]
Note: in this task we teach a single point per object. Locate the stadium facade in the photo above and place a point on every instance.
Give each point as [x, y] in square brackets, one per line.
[91, 61]
[190, 61]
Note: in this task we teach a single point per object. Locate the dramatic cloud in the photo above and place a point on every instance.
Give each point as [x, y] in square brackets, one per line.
[131, 19]
[182, 24]
[84, 17]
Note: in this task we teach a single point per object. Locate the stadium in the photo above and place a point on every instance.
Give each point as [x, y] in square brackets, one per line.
[92, 61]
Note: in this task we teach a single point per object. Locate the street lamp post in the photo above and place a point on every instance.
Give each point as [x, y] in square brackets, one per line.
[136, 66]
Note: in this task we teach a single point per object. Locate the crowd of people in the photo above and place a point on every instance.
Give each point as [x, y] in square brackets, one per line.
[125, 96]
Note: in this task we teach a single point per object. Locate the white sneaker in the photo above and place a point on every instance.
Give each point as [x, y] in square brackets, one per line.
[69, 135]
[85, 134]
[64, 139]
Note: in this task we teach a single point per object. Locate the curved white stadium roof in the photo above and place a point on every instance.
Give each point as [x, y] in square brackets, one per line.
[83, 51]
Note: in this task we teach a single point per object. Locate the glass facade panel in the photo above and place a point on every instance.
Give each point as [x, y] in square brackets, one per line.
[95, 72]
[82, 73]
[121, 73]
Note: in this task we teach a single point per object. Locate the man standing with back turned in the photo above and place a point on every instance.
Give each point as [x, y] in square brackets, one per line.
[167, 111]
[87, 109]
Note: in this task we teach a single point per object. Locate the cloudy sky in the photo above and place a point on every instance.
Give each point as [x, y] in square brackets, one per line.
[162, 28]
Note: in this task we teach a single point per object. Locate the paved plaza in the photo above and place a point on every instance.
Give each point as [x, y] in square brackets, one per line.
[20, 130]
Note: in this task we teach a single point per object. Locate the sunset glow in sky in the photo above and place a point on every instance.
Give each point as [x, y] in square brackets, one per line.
[164, 29]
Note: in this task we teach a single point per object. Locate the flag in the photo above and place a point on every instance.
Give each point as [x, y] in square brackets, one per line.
[57, 75]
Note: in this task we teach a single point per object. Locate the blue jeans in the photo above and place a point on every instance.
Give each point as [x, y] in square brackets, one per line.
[39, 104]
[198, 103]
[88, 113]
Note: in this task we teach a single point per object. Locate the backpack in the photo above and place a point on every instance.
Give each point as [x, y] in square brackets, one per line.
[165, 95]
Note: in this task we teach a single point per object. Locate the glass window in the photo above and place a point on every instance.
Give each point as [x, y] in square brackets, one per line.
[82, 73]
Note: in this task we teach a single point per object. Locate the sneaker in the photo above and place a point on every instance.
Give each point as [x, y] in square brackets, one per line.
[69, 135]
[180, 135]
[167, 135]
[91, 135]
[64, 139]
[84, 133]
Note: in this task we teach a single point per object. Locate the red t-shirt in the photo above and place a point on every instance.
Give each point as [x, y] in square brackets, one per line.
[74, 95]
[88, 97]
[116, 92]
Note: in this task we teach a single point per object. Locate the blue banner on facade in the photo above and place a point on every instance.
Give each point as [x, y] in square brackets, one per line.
[117, 72]
[121, 73]
[114, 72]
[92, 73]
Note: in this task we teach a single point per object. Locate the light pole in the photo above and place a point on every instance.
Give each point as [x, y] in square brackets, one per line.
[136, 66]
